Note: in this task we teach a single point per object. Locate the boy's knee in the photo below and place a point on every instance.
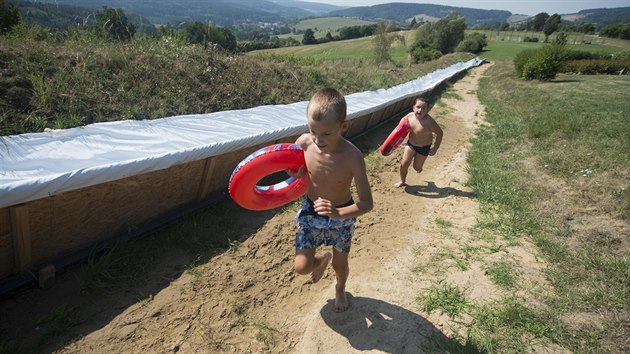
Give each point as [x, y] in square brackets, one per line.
[301, 267]
[418, 169]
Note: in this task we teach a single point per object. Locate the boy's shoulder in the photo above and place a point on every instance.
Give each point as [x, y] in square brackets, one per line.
[351, 149]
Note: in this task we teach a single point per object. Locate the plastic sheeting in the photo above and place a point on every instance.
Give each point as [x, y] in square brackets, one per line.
[38, 165]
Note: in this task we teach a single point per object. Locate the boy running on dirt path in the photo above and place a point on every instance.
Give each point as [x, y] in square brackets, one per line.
[420, 143]
[328, 212]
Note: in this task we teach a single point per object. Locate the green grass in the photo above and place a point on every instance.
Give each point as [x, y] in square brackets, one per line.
[354, 49]
[323, 25]
[498, 50]
[542, 136]
[502, 273]
[444, 297]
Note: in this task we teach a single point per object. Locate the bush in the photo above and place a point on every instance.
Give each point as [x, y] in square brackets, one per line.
[597, 66]
[581, 54]
[421, 54]
[472, 43]
[523, 58]
[530, 39]
[540, 64]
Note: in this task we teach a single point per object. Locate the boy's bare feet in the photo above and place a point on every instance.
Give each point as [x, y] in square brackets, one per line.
[318, 272]
[400, 184]
[341, 301]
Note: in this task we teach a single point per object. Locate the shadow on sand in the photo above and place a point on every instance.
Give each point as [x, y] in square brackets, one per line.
[372, 324]
[433, 191]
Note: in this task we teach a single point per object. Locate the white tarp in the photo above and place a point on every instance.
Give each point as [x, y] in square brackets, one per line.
[38, 165]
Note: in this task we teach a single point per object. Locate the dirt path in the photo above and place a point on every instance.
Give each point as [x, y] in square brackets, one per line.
[249, 299]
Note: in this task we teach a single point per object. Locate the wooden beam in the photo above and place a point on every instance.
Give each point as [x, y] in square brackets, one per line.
[204, 185]
[21, 232]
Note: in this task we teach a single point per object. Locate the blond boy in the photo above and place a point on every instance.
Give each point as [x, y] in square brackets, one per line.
[328, 212]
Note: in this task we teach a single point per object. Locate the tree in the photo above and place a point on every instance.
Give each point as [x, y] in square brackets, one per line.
[114, 24]
[383, 40]
[9, 17]
[473, 43]
[616, 30]
[448, 32]
[413, 23]
[551, 25]
[538, 22]
[309, 37]
[205, 33]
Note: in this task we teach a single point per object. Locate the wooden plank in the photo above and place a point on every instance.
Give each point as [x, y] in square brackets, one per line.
[21, 237]
[7, 262]
[204, 185]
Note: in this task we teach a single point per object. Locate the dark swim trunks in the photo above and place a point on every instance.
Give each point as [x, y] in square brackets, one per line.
[422, 150]
[315, 230]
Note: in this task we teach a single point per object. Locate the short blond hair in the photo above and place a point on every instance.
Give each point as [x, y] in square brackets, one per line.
[327, 102]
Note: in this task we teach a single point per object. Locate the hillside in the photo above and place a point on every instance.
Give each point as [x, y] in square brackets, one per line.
[602, 17]
[403, 13]
[145, 13]
[82, 80]
[59, 17]
[220, 12]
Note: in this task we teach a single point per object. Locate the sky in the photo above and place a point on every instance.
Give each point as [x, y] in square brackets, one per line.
[522, 7]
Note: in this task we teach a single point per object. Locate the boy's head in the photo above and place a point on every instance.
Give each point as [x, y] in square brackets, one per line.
[421, 106]
[327, 103]
[326, 118]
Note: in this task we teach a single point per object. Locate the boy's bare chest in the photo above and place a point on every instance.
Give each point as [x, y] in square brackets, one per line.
[419, 127]
[328, 168]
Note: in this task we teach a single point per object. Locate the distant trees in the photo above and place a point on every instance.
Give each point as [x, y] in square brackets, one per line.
[309, 37]
[616, 30]
[538, 22]
[9, 17]
[358, 31]
[206, 33]
[434, 40]
[551, 25]
[113, 23]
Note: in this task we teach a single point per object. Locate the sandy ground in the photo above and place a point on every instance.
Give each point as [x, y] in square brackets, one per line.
[249, 299]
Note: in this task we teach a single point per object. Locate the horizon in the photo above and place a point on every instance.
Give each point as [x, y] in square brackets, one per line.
[530, 8]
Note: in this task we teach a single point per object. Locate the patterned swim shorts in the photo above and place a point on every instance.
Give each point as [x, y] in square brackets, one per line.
[316, 230]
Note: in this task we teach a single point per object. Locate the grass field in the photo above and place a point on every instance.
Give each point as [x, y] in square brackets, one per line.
[505, 48]
[555, 157]
[323, 25]
[356, 49]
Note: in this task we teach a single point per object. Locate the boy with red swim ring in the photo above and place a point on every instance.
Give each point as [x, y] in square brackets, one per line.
[420, 143]
[328, 213]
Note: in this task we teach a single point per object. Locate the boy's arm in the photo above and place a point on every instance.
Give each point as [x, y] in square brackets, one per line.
[301, 172]
[435, 128]
[364, 192]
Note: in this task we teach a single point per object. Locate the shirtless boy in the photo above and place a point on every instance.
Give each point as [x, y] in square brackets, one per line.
[420, 143]
[328, 212]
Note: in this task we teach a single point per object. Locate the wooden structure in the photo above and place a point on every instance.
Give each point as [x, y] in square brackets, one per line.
[41, 233]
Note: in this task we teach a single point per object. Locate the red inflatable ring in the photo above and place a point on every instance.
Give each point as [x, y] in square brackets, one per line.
[245, 191]
[395, 138]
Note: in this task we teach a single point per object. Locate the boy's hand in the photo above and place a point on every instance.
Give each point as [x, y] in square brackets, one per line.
[325, 208]
[296, 174]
